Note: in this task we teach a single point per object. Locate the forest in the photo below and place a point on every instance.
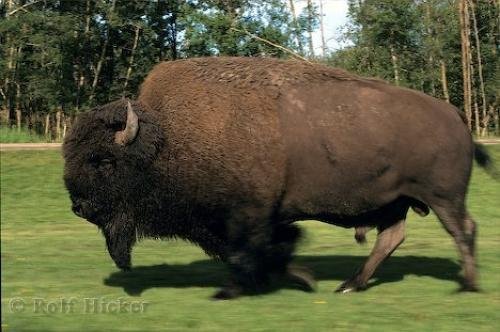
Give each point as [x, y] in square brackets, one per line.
[62, 57]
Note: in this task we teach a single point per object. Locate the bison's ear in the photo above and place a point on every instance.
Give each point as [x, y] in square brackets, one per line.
[127, 135]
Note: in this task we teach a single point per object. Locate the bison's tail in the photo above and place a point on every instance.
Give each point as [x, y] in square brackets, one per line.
[483, 159]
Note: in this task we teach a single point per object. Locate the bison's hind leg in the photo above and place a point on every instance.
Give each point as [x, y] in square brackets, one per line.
[460, 225]
[391, 234]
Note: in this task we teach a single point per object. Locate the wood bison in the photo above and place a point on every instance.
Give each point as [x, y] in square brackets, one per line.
[229, 152]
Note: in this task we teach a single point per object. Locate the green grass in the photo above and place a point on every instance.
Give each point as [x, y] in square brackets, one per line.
[49, 253]
[12, 135]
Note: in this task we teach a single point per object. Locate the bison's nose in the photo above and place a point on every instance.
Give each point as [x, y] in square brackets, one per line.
[77, 209]
[84, 210]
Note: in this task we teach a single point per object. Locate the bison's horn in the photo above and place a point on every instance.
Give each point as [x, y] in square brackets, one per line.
[127, 135]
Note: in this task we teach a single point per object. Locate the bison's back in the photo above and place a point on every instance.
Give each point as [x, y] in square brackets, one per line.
[319, 138]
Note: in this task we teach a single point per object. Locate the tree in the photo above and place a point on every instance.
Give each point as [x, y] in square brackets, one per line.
[59, 58]
[416, 43]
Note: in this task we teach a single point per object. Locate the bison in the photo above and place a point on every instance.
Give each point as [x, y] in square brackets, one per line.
[229, 152]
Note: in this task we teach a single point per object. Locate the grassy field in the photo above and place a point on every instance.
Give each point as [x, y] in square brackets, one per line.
[12, 135]
[57, 275]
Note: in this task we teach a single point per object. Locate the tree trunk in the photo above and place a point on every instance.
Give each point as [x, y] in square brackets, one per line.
[18, 107]
[485, 118]
[477, 121]
[18, 120]
[422, 80]
[87, 17]
[98, 68]
[394, 60]
[14, 55]
[173, 33]
[47, 126]
[296, 27]
[431, 75]
[309, 27]
[29, 122]
[496, 116]
[10, 71]
[79, 71]
[10, 59]
[465, 46]
[58, 124]
[161, 30]
[65, 126]
[102, 55]
[131, 61]
[322, 28]
[444, 81]
[10, 6]
[35, 122]
[4, 112]
[4, 117]
[475, 105]
[430, 62]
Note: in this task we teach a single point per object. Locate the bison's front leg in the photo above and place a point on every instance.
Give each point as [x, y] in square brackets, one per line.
[244, 257]
[255, 251]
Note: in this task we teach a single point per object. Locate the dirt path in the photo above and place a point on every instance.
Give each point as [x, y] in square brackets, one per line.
[45, 146]
[489, 141]
[29, 146]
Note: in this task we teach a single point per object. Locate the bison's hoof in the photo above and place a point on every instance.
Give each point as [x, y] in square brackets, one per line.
[124, 268]
[350, 286]
[469, 288]
[227, 293]
[302, 276]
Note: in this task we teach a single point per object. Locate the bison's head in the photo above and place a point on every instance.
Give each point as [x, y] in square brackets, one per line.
[110, 156]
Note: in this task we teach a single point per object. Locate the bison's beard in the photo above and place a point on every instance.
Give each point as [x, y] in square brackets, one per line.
[120, 236]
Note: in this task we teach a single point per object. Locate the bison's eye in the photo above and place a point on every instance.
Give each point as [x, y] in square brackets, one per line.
[104, 165]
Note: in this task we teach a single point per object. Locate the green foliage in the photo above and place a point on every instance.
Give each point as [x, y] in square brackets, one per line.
[73, 55]
[380, 30]
[49, 253]
[308, 22]
[221, 30]
[12, 135]
[417, 37]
